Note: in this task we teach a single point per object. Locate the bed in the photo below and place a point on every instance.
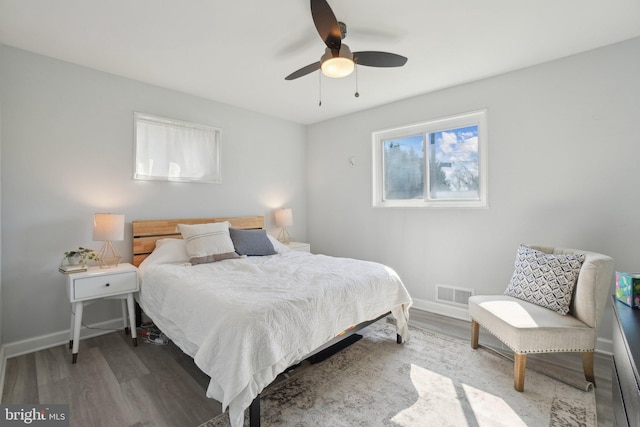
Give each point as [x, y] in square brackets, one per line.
[246, 319]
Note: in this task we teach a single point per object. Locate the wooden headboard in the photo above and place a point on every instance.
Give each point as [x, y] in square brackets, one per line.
[146, 232]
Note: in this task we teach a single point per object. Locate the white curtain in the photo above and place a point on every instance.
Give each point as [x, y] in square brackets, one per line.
[174, 150]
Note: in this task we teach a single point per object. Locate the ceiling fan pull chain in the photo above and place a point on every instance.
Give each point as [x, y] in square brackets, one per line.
[320, 89]
[357, 94]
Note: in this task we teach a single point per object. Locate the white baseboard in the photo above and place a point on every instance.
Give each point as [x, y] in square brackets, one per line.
[603, 345]
[42, 342]
[441, 308]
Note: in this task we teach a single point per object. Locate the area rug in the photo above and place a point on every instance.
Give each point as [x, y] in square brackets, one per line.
[433, 380]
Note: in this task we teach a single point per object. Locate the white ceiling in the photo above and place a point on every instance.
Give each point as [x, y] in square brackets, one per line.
[238, 52]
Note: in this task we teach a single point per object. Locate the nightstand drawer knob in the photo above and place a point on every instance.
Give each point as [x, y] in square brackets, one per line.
[108, 284]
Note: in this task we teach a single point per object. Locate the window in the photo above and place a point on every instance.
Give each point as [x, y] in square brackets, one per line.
[173, 150]
[440, 163]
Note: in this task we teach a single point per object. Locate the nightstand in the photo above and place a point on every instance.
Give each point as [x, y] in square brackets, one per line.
[96, 283]
[299, 246]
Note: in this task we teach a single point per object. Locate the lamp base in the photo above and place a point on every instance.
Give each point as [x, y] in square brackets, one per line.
[110, 261]
[107, 256]
[283, 236]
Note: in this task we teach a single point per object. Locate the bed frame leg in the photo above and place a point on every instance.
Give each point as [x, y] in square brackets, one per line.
[398, 339]
[254, 412]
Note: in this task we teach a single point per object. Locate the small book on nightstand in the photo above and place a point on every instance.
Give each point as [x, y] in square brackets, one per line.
[68, 269]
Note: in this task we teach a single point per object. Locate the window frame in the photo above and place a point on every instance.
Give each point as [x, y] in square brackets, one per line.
[211, 163]
[473, 118]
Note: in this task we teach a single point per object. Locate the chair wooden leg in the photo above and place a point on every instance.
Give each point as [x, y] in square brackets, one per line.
[520, 362]
[587, 367]
[475, 331]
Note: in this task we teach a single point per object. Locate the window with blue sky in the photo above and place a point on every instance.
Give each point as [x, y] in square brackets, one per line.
[439, 163]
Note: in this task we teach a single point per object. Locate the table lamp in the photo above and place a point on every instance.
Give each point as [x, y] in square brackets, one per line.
[284, 218]
[108, 227]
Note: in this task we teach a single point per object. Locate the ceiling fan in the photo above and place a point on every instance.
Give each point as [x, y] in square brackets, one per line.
[338, 60]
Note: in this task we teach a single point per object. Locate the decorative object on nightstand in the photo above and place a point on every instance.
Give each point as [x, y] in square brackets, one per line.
[107, 228]
[299, 246]
[284, 218]
[86, 287]
[77, 260]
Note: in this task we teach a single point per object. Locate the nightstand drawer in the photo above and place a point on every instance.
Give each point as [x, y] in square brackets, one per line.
[100, 286]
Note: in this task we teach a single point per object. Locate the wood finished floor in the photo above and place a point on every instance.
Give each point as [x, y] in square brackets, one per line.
[116, 385]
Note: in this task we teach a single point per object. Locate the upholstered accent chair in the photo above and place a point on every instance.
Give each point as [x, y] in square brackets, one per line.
[527, 327]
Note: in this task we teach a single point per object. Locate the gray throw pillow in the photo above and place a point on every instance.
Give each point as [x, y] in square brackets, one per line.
[251, 242]
[544, 279]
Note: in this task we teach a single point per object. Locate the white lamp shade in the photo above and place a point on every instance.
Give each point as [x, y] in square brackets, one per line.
[108, 227]
[284, 217]
[337, 66]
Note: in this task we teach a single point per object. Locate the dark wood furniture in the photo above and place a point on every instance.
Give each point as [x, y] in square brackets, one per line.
[626, 360]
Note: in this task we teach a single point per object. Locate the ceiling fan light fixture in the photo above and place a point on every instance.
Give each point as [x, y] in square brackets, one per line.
[338, 60]
[338, 66]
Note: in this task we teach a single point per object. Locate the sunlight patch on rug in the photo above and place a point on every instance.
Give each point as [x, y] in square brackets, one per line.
[491, 410]
[437, 395]
[431, 388]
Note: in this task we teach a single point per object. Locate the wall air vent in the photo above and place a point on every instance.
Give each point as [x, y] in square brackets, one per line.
[453, 295]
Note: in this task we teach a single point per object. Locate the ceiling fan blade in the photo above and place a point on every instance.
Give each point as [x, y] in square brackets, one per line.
[326, 24]
[379, 59]
[304, 71]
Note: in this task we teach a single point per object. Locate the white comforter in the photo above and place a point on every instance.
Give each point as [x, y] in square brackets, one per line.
[246, 320]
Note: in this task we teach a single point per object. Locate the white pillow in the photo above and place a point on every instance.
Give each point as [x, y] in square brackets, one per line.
[170, 241]
[277, 245]
[207, 242]
[167, 251]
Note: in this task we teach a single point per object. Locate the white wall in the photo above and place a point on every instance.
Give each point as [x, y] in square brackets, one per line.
[562, 154]
[563, 160]
[67, 153]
